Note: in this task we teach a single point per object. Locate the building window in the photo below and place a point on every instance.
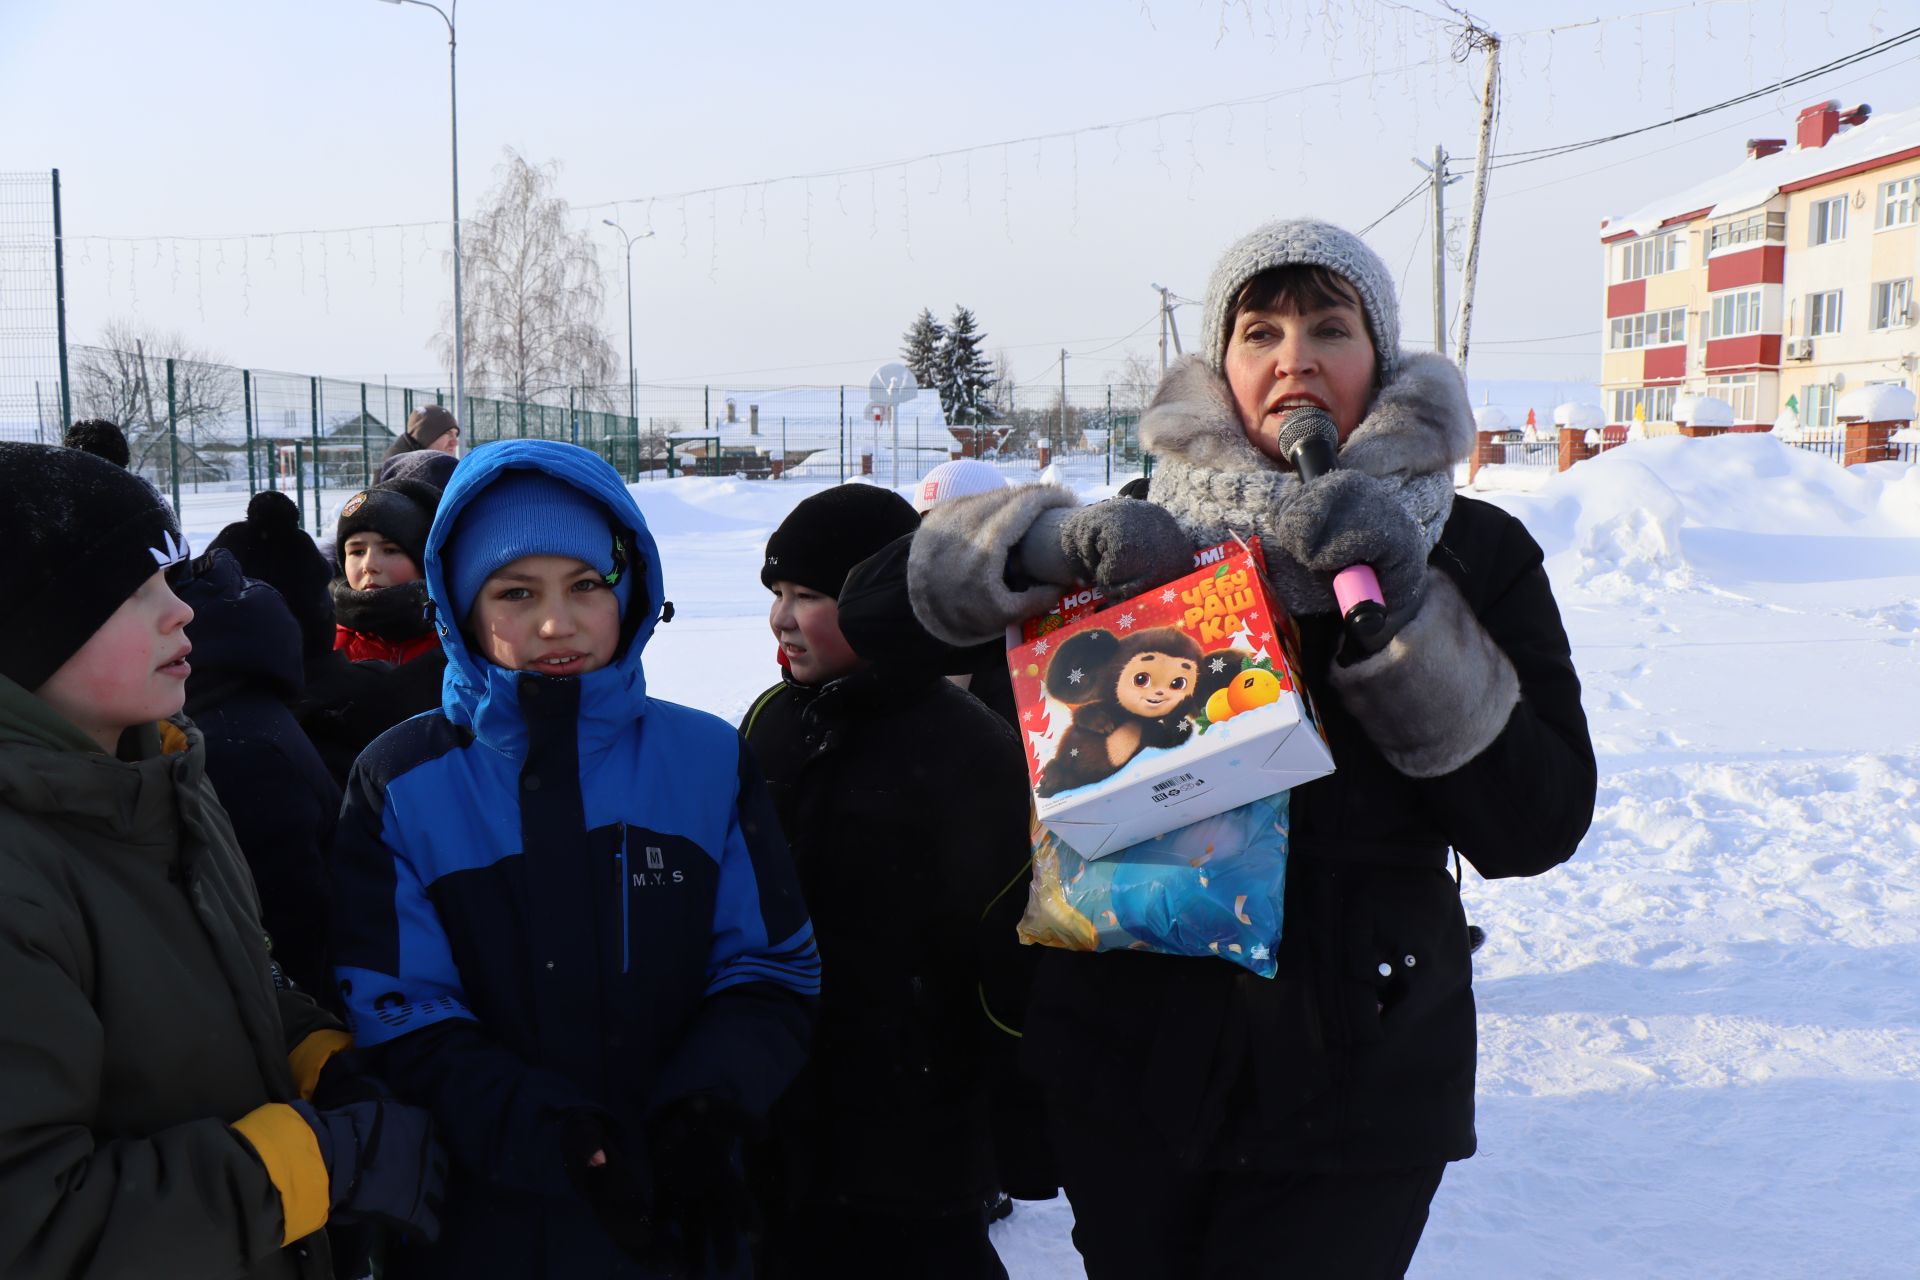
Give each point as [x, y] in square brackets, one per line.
[1754, 229]
[1892, 304]
[1657, 401]
[1829, 221]
[1736, 314]
[1816, 405]
[1823, 313]
[1742, 391]
[1898, 201]
[1650, 329]
[1649, 256]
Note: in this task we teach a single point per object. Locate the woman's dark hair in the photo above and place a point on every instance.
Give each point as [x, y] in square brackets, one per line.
[1300, 287]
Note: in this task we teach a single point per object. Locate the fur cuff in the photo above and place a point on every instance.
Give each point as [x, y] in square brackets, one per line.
[956, 573]
[1439, 693]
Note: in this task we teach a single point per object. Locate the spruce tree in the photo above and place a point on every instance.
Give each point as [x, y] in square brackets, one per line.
[920, 348]
[965, 375]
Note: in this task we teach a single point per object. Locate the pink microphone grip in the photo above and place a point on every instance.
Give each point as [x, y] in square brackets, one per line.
[1356, 583]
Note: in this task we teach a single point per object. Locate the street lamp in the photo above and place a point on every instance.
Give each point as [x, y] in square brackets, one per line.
[633, 387]
[459, 311]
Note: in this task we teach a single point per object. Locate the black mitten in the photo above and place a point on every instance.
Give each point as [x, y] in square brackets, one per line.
[700, 1187]
[615, 1188]
[383, 1164]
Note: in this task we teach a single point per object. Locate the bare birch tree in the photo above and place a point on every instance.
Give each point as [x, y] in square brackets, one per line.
[534, 294]
[124, 380]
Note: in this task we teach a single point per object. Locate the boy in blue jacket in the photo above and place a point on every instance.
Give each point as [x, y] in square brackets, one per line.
[564, 914]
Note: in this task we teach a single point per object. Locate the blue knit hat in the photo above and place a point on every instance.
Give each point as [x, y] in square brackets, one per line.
[530, 513]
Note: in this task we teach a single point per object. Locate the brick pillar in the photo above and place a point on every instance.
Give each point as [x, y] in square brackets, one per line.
[1574, 447]
[779, 465]
[1693, 432]
[1046, 456]
[1869, 442]
[954, 455]
[1488, 450]
[866, 463]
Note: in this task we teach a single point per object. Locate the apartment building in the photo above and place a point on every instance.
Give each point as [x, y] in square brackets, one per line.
[1779, 284]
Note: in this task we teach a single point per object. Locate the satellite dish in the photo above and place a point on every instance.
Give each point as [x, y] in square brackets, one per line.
[892, 384]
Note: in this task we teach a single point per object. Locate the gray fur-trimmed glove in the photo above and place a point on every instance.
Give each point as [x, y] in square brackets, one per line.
[1122, 546]
[1346, 518]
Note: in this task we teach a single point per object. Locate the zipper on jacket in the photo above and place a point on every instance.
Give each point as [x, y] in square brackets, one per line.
[625, 896]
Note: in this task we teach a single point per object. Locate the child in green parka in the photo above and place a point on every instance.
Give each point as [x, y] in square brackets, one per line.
[156, 1071]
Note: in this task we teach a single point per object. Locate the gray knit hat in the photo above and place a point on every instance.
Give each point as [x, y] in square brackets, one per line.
[1304, 240]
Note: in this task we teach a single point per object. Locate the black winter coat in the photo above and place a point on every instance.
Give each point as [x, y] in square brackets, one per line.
[1332, 1064]
[904, 801]
[348, 704]
[271, 781]
[1359, 1053]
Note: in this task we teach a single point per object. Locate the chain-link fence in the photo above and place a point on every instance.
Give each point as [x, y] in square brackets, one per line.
[31, 382]
[197, 429]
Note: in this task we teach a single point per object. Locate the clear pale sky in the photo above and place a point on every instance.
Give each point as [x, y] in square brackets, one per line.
[204, 118]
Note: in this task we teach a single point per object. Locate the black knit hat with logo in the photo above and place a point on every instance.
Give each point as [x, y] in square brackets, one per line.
[81, 536]
[821, 540]
[399, 510]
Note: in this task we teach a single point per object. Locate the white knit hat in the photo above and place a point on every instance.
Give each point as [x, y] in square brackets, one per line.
[1321, 244]
[955, 479]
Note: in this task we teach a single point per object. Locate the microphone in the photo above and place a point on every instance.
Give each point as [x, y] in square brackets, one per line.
[1309, 439]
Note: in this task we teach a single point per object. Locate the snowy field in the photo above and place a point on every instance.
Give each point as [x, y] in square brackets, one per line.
[1700, 1039]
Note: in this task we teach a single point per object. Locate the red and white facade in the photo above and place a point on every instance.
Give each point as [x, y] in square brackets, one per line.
[1790, 277]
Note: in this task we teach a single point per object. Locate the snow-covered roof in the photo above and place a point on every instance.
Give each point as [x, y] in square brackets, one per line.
[1876, 404]
[1703, 411]
[1585, 417]
[1491, 417]
[1754, 182]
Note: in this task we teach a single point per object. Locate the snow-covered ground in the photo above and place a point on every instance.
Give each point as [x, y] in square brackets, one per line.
[1700, 1039]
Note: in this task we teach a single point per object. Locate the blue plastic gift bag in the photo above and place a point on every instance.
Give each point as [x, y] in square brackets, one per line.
[1214, 888]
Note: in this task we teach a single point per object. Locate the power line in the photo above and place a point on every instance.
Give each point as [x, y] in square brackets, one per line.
[1402, 203]
[1534, 155]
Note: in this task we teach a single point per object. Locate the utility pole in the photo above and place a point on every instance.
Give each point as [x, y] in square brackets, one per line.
[1490, 45]
[1061, 441]
[1167, 326]
[1439, 248]
[1162, 291]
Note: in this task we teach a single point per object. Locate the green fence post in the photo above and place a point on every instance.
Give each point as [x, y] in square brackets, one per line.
[246, 419]
[314, 425]
[843, 434]
[60, 307]
[299, 479]
[1109, 434]
[173, 444]
[366, 466]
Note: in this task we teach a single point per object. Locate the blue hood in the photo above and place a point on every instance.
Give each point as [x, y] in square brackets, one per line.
[486, 698]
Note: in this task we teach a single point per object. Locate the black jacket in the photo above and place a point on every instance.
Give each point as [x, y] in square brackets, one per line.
[1331, 1064]
[270, 779]
[904, 801]
[348, 704]
[1359, 1053]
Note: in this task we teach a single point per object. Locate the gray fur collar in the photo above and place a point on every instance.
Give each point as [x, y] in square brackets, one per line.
[1420, 423]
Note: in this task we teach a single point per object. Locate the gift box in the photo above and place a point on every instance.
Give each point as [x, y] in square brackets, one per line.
[1143, 715]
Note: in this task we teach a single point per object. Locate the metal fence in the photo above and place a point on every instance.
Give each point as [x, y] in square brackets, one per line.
[200, 428]
[31, 315]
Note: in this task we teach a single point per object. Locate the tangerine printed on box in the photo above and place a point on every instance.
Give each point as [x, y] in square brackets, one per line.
[1147, 714]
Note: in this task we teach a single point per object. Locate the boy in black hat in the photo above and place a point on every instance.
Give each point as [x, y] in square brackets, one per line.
[380, 597]
[100, 438]
[904, 801]
[155, 1073]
